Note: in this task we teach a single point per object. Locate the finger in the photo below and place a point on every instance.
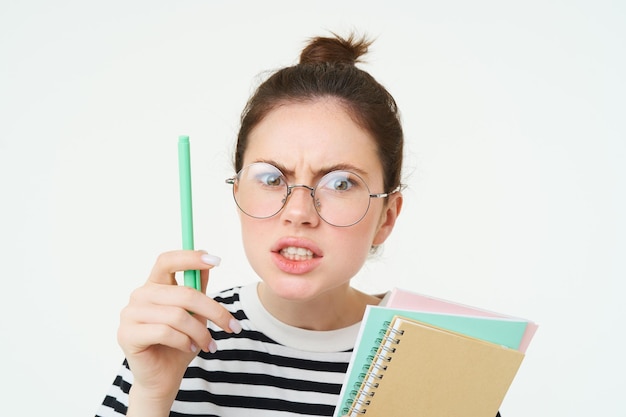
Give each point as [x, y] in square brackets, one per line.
[204, 273]
[204, 280]
[194, 327]
[168, 263]
[146, 335]
[187, 299]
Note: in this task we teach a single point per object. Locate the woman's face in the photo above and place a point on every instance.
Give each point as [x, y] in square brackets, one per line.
[298, 255]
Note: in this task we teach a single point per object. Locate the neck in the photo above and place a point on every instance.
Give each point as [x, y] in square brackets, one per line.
[332, 310]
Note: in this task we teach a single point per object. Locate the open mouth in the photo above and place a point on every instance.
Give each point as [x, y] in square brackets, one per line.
[294, 253]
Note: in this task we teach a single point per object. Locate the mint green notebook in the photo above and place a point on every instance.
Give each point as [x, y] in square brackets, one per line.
[501, 331]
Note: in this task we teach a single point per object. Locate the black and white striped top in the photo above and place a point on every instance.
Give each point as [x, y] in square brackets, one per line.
[270, 369]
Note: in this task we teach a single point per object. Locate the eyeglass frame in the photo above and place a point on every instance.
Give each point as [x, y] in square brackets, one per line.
[233, 179]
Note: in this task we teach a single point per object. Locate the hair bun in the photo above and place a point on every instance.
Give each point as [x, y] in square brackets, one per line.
[337, 49]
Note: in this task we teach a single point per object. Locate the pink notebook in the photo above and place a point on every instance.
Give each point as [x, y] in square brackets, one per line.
[404, 299]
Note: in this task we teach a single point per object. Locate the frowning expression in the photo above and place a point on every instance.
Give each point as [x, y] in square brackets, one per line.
[296, 253]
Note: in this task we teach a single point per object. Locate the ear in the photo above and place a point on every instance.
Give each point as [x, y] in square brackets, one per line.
[388, 218]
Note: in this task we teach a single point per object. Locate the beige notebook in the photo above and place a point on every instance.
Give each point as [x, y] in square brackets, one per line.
[424, 371]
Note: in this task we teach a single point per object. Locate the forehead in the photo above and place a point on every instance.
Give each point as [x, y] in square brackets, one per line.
[308, 136]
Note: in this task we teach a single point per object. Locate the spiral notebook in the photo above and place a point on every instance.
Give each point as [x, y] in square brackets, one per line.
[424, 370]
[502, 331]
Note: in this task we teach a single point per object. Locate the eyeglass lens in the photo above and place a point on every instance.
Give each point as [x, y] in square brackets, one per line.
[341, 198]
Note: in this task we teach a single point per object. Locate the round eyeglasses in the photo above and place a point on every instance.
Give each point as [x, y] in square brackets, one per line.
[341, 198]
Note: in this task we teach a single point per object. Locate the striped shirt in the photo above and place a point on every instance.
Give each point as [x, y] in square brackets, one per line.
[270, 369]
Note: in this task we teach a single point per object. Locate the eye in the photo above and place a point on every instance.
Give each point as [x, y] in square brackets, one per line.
[340, 181]
[262, 175]
[341, 184]
[271, 179]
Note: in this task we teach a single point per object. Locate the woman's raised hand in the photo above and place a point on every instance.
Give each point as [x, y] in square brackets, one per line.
[164, 326]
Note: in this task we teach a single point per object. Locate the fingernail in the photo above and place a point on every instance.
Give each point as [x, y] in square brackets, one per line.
[211, 259]
[234, 326]
[212, 346]
[194, 348]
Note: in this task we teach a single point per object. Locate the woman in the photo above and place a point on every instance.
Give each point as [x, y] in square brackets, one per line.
[318, 162]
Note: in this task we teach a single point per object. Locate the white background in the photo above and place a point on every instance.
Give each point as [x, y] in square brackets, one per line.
[514, 121]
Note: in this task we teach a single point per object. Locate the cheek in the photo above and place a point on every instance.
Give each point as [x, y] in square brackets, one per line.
[252, 231]
[347, 255]
[354, 243]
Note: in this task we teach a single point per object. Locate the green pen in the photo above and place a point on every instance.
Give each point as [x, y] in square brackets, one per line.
[191, 278]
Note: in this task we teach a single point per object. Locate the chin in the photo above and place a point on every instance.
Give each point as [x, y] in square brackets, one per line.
[297, 288]
[293, 288]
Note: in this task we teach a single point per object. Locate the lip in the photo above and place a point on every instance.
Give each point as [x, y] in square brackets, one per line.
[293, 266]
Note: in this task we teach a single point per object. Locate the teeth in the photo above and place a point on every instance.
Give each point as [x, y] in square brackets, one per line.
[296, 254]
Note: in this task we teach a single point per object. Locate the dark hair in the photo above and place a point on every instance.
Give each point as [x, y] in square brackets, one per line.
[327, 69]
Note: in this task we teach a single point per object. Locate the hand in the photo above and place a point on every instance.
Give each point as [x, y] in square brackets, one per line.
[164, 326]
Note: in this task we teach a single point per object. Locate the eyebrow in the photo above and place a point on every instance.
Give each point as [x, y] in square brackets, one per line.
[320, 172]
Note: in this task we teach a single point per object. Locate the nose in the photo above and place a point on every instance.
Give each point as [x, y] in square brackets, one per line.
[299, 208]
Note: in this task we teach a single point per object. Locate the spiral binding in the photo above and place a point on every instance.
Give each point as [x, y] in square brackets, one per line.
[368, 382]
